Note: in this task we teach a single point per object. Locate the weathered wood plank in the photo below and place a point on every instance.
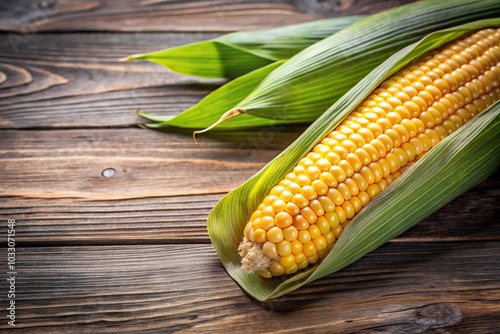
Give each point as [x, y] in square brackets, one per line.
[60, 188]
[411, 287]
[143, 163]
[76, 80]
[28, 17]
[182, 219]
[177, 219]
[166, 185]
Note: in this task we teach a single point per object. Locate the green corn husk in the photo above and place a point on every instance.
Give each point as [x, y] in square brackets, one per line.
[459, 162]
[307, 84]
[206, 112]
[232, 55]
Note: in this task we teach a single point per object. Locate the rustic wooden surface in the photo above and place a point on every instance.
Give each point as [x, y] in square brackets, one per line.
[130, 253]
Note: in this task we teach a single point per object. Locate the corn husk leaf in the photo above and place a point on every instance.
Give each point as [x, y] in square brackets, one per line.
[232, 55]
[456, 164]
[307, 84]
[208, 110]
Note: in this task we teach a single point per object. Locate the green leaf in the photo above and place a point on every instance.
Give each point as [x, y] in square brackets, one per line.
[308, 83]
[456, 164]
[208, 110]
[210, 59]
[284, 42]
[232, 55]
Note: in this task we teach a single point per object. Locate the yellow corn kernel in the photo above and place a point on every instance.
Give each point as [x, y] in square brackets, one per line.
[344, 190]
[308, 192]
[300, 200]
[283, 219]
[290, 233]
[269, 249]
[309, 249]
[330, 238]
[337, 231]
[284, 248]
[314, 231]
[300, 222]
[341, 214]
[316, 207]
[352, 187]
[292, 269]
[301, 218]
[314, 258]
[338, 173]
[297, 249]
[286, 196]
[320, 243]
[260, 235]
[364, 198]
[333, 219]
[292, 208]
[348, 209]
[267, 222]
[275, 234]
[278, 205]
[356, 204]
[335, 196]
[327, 179]
[276, 269]
[323, 225]
[327, 204]
[304, 237]
[319, 187]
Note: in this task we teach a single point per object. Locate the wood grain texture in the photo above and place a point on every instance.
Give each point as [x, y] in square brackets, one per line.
[146, 163]
[111, 220]
[182, 219]
[27, 17]
[400, 288]
[76, 80]
[167, 183]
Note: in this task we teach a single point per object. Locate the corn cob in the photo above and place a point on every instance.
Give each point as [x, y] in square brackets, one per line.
[299, 221]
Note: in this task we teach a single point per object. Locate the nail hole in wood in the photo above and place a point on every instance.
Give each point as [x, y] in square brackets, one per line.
[109, 172]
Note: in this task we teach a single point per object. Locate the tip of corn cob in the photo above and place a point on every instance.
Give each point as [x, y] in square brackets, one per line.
[252, 257]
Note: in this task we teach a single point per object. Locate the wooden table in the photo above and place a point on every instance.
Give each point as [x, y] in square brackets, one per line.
[111, 219]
